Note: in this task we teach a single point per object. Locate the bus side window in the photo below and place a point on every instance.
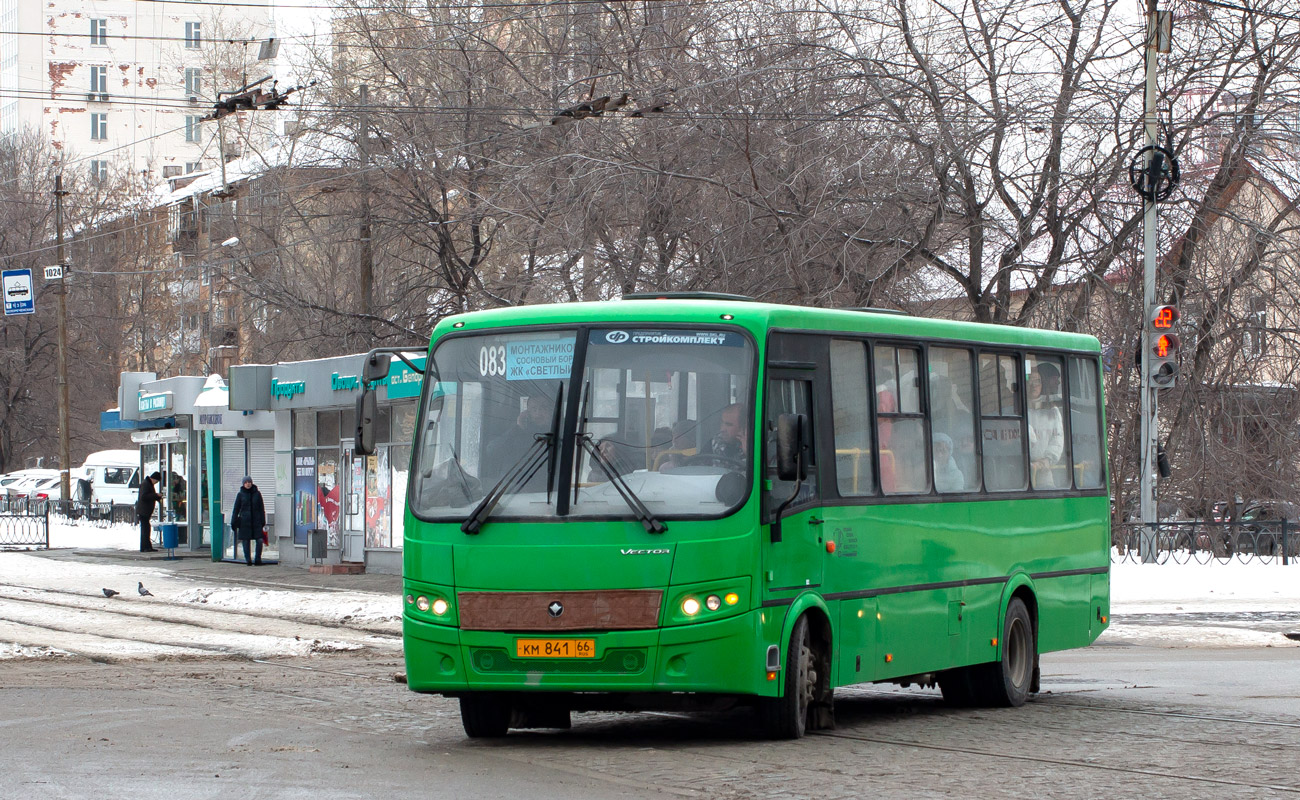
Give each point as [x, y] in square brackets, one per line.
[1049, 452]
[1001, 423]
[952, 420]
[899, 421]
[854, 461]
[1085, 423]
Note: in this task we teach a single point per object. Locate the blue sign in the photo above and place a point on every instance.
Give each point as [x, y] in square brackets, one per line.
[538, 360]
[17, 287]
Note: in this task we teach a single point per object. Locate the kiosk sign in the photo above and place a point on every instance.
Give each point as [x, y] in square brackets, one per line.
[17, 287]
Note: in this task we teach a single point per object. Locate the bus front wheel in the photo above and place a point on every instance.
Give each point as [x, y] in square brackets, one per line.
[805, 682]
[484, 716]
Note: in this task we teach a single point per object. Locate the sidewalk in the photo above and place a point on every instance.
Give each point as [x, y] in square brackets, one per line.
[200, 567]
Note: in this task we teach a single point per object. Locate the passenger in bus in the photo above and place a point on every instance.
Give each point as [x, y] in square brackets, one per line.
[684, 445]
[1046, 432]
[510, 446]
[950, 415]
[732, 441]
[615, 457]
[660, 440]
[1051, 377]
[948, 476]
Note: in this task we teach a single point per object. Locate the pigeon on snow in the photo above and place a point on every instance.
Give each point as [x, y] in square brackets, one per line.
[143, 591]
[110, 592]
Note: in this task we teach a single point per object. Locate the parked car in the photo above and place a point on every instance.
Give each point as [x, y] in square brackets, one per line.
[10, 479]
[114, 475]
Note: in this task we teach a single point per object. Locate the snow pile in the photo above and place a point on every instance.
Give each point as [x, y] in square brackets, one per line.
[1232, 587]
[98, 535]
[340, 608]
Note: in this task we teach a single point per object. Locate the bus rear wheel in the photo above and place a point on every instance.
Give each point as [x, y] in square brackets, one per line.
[484, 716]
[1007, 681]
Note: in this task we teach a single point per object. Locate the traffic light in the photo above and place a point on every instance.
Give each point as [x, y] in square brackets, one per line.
[1163, 365]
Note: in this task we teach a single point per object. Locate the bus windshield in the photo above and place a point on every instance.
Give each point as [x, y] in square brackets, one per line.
[662, 413]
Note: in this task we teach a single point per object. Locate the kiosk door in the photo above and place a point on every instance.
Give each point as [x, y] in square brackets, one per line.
[354, 506]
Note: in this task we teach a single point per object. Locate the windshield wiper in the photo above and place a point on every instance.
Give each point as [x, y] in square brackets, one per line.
[651, 523]
[519, 474]
[542, 451]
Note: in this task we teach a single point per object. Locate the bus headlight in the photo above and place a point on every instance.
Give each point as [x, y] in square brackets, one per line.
[713, 602]
[422, 603]
[440, 606]
[690, 606]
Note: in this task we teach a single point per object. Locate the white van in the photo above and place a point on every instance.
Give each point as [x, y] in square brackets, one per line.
[114, 475]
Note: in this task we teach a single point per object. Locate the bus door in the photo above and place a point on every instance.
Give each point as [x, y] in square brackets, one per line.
[797, 560]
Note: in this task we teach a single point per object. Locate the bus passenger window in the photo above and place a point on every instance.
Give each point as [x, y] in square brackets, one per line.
[900, 423]
[1085, 423]
[854, 462]
[1048, 453]
[1001, 424]
[952, 418]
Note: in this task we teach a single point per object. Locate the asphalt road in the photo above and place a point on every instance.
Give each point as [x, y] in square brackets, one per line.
[1118, 721]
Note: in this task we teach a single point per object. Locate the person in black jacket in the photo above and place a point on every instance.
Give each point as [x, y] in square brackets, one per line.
[145, 503]
[248, 518]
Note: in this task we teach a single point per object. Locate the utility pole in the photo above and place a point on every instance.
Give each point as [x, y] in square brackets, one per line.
[367, 249]
[65, 454]
[1149, 428]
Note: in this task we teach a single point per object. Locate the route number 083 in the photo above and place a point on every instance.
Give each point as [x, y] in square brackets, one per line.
[492, 361]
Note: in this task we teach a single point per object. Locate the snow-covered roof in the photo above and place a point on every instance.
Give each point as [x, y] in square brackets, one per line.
[312, 150]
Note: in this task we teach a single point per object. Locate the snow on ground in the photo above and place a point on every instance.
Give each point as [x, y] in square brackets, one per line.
[66, 532]
[50, 607]
[1214, 587]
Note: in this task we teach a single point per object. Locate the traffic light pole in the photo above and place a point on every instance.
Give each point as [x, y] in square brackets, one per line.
[1148, 432]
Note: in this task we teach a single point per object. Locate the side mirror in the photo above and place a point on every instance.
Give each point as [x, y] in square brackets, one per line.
[367, 410]
[376, 367]
[790, 445]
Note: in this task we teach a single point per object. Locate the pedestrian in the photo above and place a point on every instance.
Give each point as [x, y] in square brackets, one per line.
[248, 519]
[145, 503]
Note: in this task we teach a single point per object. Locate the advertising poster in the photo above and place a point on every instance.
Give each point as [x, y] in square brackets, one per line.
[306, 512]
[327, 497]
[378, 530]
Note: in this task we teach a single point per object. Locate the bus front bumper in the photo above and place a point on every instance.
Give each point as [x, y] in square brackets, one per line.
[721, 657]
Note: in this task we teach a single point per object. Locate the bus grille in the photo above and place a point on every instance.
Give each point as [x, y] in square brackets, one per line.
[617, 661]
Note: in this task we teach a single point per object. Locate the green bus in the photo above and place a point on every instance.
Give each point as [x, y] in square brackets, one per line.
[695, 501]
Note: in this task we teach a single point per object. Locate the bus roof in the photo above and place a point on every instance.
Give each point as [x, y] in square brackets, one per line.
[758, 317]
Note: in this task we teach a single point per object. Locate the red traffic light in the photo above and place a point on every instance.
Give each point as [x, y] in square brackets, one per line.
[1163, 318]
[1165, 345]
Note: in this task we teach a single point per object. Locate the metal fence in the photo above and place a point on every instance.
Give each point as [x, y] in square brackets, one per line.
[24, 530]
[1206, 542]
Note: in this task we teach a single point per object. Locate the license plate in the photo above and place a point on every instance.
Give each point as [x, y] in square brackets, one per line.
[555, 648]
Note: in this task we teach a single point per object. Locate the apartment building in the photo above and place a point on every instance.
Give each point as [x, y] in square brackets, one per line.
[123, 85]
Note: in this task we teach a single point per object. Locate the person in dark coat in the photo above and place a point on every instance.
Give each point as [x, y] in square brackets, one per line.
[248, 518]
[145, 504]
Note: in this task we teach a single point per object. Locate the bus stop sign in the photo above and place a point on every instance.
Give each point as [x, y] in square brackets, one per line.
[17, 287]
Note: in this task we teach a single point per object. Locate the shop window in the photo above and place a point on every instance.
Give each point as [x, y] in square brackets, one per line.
[348, 423]
[327, 429]
[304, 429]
